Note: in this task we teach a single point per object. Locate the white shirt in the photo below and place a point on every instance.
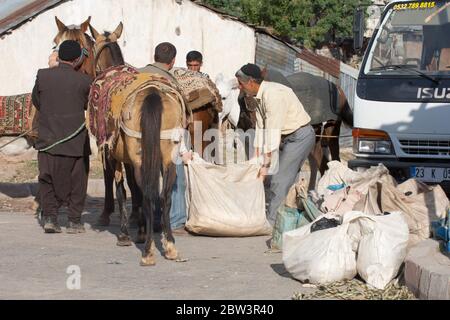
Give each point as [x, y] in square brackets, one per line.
[279, 112]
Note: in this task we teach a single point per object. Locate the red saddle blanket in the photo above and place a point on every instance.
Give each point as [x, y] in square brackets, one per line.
[100, 117]
[15, 114]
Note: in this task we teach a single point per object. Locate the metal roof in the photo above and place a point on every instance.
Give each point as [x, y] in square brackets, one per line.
[14, 13]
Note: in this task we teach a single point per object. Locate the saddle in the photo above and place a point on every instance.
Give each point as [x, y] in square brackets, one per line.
[111, 97]
[198, 89]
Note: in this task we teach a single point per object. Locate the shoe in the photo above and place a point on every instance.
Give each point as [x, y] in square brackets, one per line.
[75, 227]
[51, 225]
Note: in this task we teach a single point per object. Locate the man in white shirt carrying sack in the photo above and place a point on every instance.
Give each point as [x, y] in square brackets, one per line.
[282, 128]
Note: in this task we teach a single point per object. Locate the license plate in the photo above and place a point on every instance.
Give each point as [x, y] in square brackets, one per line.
[428, 174]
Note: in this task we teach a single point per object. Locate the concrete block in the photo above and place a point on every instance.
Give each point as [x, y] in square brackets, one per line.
[412, 277]
[427, 271]
[424, 284]
[439, 288]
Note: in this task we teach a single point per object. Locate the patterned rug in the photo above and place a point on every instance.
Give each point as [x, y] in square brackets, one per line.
[15, 114]
[199, 86]
[110, 96]
[100, 118]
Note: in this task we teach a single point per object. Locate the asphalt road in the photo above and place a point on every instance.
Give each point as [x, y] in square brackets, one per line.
[34, 265]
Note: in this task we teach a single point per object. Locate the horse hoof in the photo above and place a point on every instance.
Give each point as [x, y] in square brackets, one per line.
[171, 253]
[148, 261]
[124, 241]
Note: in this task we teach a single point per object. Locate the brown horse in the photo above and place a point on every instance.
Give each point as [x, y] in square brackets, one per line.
[198, 90]
[78, 33]
[146, 117]
[90, 65]
[203, 118]
[23, 104]
[327, 137]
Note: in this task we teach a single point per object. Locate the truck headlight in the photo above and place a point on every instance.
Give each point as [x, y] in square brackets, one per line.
[366, 146]
[373, 146]
[384, 147]
[372, 142]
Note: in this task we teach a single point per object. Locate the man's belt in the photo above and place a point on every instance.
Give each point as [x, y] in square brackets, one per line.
[284, 136]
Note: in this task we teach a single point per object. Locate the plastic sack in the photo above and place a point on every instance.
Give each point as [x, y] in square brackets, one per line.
[336, 177]
[287, 219]
[320, 257]
[225, 200]
[382, 248]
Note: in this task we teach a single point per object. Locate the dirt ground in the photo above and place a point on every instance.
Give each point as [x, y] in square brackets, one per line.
[24, 169]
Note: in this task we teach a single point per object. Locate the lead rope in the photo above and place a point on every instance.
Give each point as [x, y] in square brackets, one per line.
[64, 139]
[17, 138]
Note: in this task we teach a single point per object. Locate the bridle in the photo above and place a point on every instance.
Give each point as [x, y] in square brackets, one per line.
[85, 52]
[97, 53]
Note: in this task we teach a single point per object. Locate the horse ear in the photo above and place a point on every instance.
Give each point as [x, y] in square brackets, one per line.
[94, 32]
[84, 26]
[61, 26]
[118, 31]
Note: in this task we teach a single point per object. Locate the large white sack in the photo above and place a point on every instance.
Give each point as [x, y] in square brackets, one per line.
[225, 200]
[320, 257]
[336, 174]
[382, 248]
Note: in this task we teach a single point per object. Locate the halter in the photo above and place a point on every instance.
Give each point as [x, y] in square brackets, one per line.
[174, 134]
[97, 53]
[85, 52]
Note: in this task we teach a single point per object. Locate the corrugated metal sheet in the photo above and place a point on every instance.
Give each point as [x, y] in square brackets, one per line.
[13, 13]
[348, 79]
[274, 54]
[328, 65]
[304, 66]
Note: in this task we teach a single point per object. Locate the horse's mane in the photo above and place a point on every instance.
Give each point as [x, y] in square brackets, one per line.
[115, 51]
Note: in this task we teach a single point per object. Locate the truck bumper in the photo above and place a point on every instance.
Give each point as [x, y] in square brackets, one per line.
[401, 170]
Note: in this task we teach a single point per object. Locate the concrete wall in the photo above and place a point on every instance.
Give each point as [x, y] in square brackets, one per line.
[225, 44]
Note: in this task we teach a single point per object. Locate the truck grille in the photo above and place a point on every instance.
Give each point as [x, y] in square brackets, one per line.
[426, 147]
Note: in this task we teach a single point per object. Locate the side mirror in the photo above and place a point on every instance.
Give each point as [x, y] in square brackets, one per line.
[358, 28]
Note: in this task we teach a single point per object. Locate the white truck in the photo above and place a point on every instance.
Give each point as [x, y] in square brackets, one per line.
[402, 101]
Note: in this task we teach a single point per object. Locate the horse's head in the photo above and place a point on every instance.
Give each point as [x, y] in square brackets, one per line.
[78, 33]
[229, 91]
[107, 50]
[225, 87]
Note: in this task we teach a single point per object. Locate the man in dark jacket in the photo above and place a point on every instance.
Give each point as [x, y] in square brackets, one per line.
[61, 94]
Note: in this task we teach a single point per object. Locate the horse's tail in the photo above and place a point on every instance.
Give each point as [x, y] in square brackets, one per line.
[345, 111]
[151, 114]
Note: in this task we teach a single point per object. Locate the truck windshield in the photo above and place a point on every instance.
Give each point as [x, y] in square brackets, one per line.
[413, 35]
